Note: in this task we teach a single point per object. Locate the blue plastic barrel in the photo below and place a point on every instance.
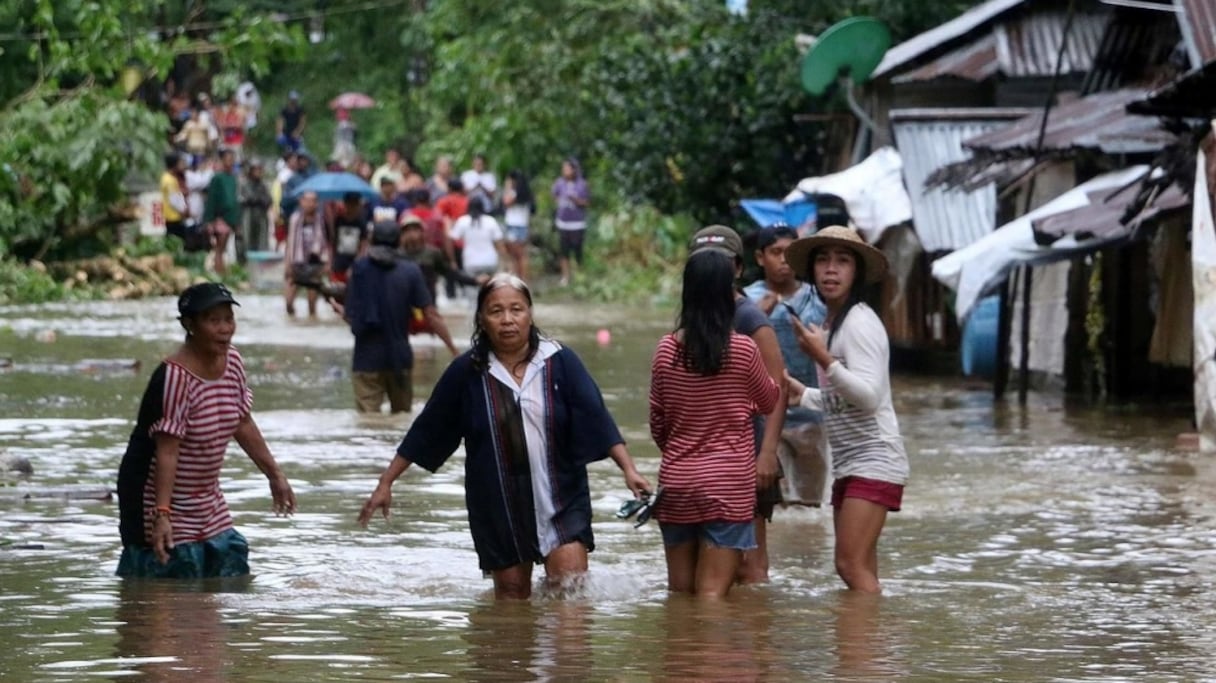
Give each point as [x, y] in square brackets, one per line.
[979, 342]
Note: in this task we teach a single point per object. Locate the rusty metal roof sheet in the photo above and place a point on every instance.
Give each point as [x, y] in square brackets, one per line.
[974, 62]
[940, 35]
[1105, 218]
[1028, 45]
[1197, 18]
[1099, 121]
[1135, 51]
[1020, 47]
[928, 139]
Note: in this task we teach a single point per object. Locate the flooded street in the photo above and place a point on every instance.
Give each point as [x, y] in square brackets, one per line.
[1036, 543]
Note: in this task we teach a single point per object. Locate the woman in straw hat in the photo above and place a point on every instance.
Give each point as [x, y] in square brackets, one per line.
[852, 354]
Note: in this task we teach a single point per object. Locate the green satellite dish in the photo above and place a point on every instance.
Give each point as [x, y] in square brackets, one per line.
[849, 50]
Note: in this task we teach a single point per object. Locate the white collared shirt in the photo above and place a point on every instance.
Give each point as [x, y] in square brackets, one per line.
[530, 394]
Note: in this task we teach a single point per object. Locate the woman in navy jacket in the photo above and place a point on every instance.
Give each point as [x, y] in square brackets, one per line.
[531, 418]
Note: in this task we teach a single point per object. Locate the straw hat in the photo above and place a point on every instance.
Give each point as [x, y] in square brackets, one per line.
[799, 252]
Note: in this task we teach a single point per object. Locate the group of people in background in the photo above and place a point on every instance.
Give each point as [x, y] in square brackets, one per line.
[211, 190]
[480, 224]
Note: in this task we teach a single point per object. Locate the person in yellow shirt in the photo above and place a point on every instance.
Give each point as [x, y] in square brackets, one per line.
[172, 197]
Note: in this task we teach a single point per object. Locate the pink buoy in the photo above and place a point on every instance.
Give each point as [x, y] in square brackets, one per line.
[603, 337]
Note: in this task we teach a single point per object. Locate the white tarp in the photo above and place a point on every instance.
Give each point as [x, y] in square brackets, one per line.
[979, 268]
[873, 191]
[1203, 274]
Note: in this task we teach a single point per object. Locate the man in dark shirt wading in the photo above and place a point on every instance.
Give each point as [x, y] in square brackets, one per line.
[380, 298]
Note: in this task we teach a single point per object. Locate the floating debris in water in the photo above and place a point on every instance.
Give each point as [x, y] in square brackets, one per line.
[87, 366]
[16, 463]
[57, 493]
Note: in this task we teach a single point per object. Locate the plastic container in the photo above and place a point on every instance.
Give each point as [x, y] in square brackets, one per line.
[979, 343]
[265, 270]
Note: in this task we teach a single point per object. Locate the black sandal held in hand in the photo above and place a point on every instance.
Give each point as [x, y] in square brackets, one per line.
[642, 506]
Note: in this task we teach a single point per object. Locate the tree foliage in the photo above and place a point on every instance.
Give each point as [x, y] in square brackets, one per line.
[70, 133]
[675, 103]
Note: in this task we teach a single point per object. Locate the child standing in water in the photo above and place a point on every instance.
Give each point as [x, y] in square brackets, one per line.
[853, 358]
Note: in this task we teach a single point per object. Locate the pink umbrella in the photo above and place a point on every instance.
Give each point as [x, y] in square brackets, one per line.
[352, 100]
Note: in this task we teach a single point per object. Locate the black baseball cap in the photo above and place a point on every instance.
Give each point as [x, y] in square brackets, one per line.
[203, 296]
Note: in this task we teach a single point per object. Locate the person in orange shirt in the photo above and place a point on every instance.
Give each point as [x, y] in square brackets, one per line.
[451, 207]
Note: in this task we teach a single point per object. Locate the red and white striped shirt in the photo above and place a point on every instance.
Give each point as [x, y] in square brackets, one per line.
[204, 414]
[703, 426]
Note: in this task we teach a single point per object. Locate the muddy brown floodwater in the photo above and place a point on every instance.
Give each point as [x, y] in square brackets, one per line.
[1037, 543]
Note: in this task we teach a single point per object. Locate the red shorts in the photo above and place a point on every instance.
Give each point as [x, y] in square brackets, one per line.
[882, 493]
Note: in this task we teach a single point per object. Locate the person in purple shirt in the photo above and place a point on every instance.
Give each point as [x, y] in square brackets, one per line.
[572, 196]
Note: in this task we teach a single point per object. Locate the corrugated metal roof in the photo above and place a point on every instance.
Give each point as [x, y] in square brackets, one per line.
[1135, 50]
[927, 139]
[1103, 218]
[974, 62]
[1019, 47]
[1099, 121]
[1197, 18]
[1028, 45]
[937, 36]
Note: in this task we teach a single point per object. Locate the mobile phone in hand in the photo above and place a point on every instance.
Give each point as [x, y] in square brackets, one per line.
[791, 309]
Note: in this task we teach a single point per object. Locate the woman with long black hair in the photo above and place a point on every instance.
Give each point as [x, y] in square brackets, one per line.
[707, 384]
[853, 358]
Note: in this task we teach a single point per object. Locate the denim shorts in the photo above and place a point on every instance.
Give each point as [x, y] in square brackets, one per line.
[224, 554]
[516, 233]
[733, 535]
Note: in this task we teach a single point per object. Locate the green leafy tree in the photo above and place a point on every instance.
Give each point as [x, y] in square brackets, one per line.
[70, 133]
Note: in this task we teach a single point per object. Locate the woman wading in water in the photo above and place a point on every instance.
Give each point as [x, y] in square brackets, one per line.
[532, 419]
[853, 358]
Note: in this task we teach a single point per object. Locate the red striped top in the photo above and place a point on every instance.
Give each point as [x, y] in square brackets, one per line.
[204, 414]
[703, 426]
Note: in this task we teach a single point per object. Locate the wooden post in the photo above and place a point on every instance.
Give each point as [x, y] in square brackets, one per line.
[1024, 359]
[1000, 379]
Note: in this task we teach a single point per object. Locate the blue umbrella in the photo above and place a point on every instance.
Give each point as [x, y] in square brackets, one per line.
[332, 186]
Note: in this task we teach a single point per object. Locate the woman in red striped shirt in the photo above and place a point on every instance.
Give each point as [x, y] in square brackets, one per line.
[707, 383]
[174, 521]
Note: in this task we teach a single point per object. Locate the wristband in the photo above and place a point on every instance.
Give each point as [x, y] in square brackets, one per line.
[162, 511]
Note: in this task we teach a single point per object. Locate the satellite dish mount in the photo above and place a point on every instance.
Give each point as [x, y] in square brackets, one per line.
[845, 56]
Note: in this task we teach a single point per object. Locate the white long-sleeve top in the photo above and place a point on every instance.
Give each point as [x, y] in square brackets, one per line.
[855, 396]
